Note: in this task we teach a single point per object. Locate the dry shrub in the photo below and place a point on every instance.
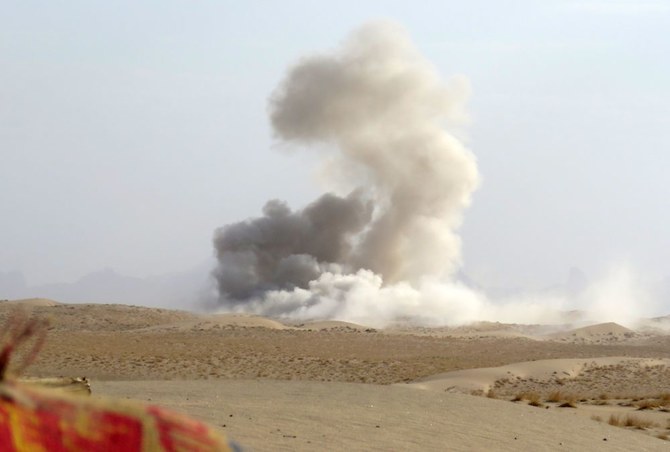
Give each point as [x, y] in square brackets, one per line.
[568, 400]
[637, 422]
[596, 418]
[568, 404]
[663, 399]
[647, 405]
[534, 399]
[615, 420]
[572, 399]
[491, 394]
[526, 395]
[662, 436]
[519, 397]
[604, 396]
[555, 397]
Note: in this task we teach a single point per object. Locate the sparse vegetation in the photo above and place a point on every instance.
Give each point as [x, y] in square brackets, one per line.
[639, 423]
[630, 420]
[615, 420]
[555, 397]
[534, 399]
[647, 404]
[568, 404]
[565, 400]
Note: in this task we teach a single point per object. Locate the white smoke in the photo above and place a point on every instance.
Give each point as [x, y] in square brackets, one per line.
[385, 109]
[371, 254]
[362, 298]
[388, 249]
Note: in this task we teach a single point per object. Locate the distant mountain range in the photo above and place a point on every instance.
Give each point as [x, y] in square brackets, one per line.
[183, 290]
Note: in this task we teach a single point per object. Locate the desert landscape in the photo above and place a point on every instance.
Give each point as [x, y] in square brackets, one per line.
[334, 385]
[375, 226]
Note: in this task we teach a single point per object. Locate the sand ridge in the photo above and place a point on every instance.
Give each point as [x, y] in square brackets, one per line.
[31, 302]
[603, 332]
[484, 379]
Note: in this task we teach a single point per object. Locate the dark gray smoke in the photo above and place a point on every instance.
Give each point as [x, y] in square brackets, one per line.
[283, 249]
[384, 108]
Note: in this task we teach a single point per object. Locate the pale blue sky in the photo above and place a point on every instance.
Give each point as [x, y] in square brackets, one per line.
[130, 130]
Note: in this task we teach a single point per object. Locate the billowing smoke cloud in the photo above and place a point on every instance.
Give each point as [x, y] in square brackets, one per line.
[387, 249]
[384, 108]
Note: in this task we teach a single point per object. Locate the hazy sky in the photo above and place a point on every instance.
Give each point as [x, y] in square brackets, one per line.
[129, 131]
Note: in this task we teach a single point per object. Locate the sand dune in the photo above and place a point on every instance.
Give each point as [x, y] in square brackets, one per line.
[272, 415]
[484, 379]
[598, 388]
[205, 322]
[291, 387]
[603, 332]
[32, 302]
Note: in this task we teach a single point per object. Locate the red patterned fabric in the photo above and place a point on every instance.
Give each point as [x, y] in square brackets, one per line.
[40, 420]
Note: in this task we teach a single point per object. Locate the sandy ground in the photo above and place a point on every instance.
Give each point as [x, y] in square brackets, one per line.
[337, 386]
[285, 415]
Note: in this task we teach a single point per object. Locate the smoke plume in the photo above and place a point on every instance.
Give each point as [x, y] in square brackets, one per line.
[373, 253]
